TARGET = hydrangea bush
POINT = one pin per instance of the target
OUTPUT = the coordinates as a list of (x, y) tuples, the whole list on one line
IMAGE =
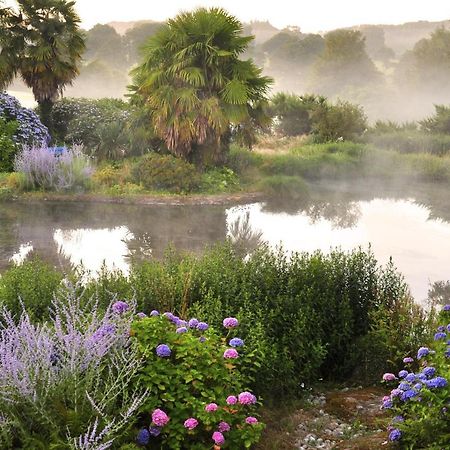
[(30, 130), (420, 395), (68, 383), (197, 394)]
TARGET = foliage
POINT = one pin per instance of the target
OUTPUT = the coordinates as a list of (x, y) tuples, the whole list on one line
[(46, 169), (240, 160), (219, 180), (440, 122), (42, 43), (284, 187), (31, 286), (165, 172), (342, 121), (68, 383), (196, 86), (8, 147), (30, 129), (192, 379), (420, 401), (97, 124)]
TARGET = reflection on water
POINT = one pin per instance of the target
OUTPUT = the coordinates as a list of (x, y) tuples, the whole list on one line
[(93, 234)]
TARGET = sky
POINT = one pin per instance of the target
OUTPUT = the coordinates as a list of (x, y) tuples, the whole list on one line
[(309, 15)]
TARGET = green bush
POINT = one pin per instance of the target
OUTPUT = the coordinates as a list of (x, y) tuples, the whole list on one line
[(440, 122), (8, 147), (33, 285), (341, 121), (184, 370), (241, 160), (420, 400), (219, 180), (165, 172), (283, 187)]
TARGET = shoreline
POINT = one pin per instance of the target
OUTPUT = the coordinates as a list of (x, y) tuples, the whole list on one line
[(146, 200)]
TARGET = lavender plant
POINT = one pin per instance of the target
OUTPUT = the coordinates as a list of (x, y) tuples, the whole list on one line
[(44, 169), (68, 383), (30, 130)]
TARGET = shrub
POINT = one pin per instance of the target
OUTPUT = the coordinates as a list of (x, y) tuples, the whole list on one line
[(342, 121), (440, 122), (219, 180), (99, 125), (31, 285), (283, 187), (165, 172), (193, 376), (68, 383), (30, 130), (420, 402), (8, 147), (45, 169), (240, 160)]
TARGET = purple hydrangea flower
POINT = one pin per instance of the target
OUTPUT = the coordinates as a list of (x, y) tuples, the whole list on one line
[(387, 404), (120, 307), (181, 330), (446, 308), (190, 423), (169, 315), (232, 400), (224, 427), (236, 342), (251, 420), (159, 417), (202, 339), (246, 398), (396, 393), (218, 438), (202, 326), (230, 353), (389, 377), (141, 315), (230, 322), (408, 360), (154, 431), (154, 313), (181, 323), (163, 351), (211, 407), (398, 419), (193, 323)]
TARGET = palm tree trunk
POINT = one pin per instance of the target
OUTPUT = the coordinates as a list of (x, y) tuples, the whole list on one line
[(46, 108)]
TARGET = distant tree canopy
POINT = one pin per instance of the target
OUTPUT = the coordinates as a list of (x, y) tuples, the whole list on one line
[(136, 37), (43, 44), (195, 86), (344, 63), (439, 122)]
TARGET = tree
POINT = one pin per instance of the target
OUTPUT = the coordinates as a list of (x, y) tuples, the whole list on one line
[(136, 37), (344, 63), (43, 44), (195, 85)]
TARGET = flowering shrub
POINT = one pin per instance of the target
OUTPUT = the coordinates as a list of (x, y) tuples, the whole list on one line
[(45, 169), (67, 383), (420, 399), (30, 130), (197, 396)]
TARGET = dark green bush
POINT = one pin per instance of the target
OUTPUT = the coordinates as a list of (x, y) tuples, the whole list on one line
[(165, 172), (32, 284), (240, 160), (8, 147)]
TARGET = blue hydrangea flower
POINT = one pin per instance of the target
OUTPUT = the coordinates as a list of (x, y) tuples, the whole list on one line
[(181, 330), (441, 328), (429, 371), (440, 336), (404, 386), (407, 395), (418, 386), (154, 431), (446, 308), (436, 383), (398, 419), (154, 313), (143, 437), (181, 323), (193, 323), (402, 373), (395, 435), (410, 378), (236, 342), (423, 351), (387, 404), (163, 351)]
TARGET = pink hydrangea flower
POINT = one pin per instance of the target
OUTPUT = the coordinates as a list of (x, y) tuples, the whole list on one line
[(218, 438), (230, 353), (251, 420), (246, 398), (232, 400), (159, 417), (389, 377), (211, 407), (190, 423), (223, 427), (230, 322)]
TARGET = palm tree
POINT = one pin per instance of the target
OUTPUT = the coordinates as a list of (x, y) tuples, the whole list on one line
[(195, 86), (43, 44)]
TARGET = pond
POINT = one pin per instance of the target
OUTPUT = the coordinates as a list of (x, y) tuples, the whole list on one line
[(413, 230)]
